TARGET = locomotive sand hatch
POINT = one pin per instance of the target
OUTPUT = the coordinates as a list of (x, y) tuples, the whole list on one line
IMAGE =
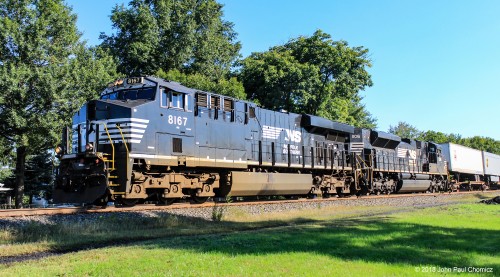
[(156, 140)]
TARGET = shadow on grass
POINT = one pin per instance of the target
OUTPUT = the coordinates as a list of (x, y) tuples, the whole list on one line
[(482, 196), (369, 239), (355, 239)]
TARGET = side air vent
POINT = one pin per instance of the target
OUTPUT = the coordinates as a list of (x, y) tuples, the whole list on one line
[(177, 145), (228, 105), (214, 102), (201, 99)]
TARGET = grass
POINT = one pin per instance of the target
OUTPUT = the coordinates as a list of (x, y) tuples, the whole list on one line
[(108, 229), (318, 242)]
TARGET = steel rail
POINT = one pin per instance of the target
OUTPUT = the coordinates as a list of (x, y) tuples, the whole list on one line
[(152, 207)]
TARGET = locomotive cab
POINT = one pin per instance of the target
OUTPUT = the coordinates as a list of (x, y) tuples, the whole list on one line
[(437, 163)]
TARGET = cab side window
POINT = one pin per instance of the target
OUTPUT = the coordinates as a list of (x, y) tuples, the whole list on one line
[(176, 100), (164, 98), (172, 99)]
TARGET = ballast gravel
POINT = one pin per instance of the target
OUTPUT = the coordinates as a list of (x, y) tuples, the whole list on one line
[(270, 207)]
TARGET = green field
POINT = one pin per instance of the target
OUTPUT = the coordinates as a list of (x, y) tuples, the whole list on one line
[(327, 243)]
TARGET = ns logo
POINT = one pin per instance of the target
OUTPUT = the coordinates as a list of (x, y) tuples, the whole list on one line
[(295, 136), (271, 132)]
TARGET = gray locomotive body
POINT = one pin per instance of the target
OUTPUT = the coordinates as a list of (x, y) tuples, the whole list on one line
[(150, 139)]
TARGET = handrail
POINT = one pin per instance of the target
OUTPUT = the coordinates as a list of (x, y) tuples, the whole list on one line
[(358, 159), (123, 138), (364, 167), (112, 146)]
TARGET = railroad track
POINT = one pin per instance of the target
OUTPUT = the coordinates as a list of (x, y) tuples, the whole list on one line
[(152, 207)]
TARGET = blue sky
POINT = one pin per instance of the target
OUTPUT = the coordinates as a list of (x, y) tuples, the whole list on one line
[(436, 64)]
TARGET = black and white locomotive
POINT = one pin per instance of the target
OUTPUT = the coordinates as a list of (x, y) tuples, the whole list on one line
[(156, 140)]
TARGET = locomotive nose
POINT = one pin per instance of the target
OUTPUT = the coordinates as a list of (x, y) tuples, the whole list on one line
[(94, 118)]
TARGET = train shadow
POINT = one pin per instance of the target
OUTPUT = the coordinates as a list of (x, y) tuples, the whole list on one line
[(367, 240), (373, 239), (482, 196)]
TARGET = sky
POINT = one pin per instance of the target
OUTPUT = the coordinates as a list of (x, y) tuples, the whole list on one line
[(435, 64)]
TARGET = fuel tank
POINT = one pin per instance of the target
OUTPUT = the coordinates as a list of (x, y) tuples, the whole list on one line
[(259, 183), (413, 183)]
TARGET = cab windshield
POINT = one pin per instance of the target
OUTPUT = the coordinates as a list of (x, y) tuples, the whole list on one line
[(131, 94)]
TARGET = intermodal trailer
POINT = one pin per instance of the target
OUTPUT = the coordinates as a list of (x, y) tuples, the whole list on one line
[(491, 165), (465, 165)]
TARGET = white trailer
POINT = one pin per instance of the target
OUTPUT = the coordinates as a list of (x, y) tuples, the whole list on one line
[(491, 165), (465, 165), (463, 159)]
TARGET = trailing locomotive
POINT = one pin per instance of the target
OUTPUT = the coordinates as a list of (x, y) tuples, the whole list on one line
[(151, 139)]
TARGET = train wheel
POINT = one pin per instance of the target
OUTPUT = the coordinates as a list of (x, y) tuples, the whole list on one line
[(312, 196), (199, 200), (102, 202), (166, 201), (128, 202), (340, 194)]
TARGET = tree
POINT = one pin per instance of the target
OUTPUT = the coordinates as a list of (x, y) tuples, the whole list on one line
[(350, 111), (6, 160), (405, 130), (439, 137), (39, 174), (46, 74), (483, 143), (313, 75), (276, 80), (186, 35)]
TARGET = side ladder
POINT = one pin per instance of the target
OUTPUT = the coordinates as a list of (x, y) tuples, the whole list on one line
[(110, 164)]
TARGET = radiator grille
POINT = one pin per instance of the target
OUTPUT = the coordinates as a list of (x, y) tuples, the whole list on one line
[(201, 99), (215, 102), (228, 105)]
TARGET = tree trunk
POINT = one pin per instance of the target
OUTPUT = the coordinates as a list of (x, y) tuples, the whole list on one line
[(20, 169)]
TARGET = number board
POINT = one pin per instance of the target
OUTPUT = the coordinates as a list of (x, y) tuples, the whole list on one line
[(135, 80)]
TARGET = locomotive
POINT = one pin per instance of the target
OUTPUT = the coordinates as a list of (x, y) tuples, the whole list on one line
[(151, 139)]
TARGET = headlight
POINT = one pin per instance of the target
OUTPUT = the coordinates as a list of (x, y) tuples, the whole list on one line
[(89, 147)]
